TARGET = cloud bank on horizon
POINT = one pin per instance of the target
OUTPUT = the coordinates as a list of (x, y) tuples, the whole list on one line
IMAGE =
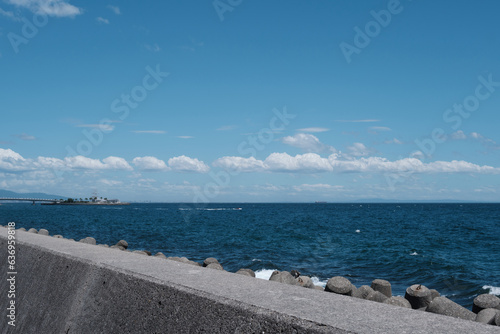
[(174, 102)]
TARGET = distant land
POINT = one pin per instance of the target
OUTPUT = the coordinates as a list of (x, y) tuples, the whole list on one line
[(8, 193)]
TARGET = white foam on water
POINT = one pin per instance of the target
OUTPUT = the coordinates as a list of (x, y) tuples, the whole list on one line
[(316, 281), (494, 290), (358, 231), (264, 273), (414, 254)]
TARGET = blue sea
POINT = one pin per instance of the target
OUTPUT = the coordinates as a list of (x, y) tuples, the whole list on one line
[(454, 248)]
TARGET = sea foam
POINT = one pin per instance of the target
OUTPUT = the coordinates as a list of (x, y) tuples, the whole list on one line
[(266, 274), (493, 289)]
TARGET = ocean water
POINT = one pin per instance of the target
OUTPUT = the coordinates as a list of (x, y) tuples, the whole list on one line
[(454, 248)]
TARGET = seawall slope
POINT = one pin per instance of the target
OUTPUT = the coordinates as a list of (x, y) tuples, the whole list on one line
[(68, 287)]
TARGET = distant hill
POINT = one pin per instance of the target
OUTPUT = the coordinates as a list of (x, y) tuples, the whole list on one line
[(7, 193)]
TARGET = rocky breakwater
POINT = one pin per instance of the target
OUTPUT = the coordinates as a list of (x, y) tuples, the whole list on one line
[(485, 309)]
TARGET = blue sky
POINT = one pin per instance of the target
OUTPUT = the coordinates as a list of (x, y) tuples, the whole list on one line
[(251, 100)]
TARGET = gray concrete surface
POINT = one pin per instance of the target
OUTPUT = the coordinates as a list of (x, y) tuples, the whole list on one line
[(71, 287)]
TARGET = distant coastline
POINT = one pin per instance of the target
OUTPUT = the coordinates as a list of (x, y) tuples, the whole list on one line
[(91, 204)]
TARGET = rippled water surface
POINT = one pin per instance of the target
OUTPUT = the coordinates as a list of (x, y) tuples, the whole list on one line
[(454, 248)]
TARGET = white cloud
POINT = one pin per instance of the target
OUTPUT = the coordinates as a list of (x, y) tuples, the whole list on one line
[(102, 20), (12, 161), (458, 135), (111, 183), (393, 141), (103, 127), (376, 129), (155, 132), (185, 137), (153, 48), (227, 128), (313, 129), (24, 136), (240, 164), (309, 162), (115, 9), (358, 121), (150, 163), (358, 150), (187, 164), (317, 187), (307, 142), (58, 8), (7, 14), (109, 163)]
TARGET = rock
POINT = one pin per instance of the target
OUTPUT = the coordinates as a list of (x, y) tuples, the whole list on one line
[(147, 252), (246, 272), (320, 288), (305, 282), (118, 247), (487, 316), (434, 293), (339, 285), (497, 319), (283, 277), (103, 245), (89, 240), (419, 296), (216, 266), (22, 229), (161, 255), (382, 286), (362, 292), (295, 273), (397, 301), (377, 296), (484, 301), (209, 260), (122, 243), (444, 306), (43, 232), (32, 230), (58, 236), (140, 252)]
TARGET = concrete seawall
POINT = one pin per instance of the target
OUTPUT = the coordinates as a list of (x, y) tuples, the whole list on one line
[(68, 287)]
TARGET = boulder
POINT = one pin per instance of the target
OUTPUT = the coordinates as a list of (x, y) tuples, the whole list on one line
[(147, 252), (32, 230), (140, 252), (382, 286), (160, 255), (209, 260), (89, 240), (487, 316), (22, 229), (320, 288), (434, 293), (295, 273), (419, 296), (377, 296), (497, 319), (305, 282), (118, 247), (246, 272), (122, 243), (397, 301), (444, 306), (283, 277), (339, 285), (216, 266), (362, 292), (43, 232), (484, 301)]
